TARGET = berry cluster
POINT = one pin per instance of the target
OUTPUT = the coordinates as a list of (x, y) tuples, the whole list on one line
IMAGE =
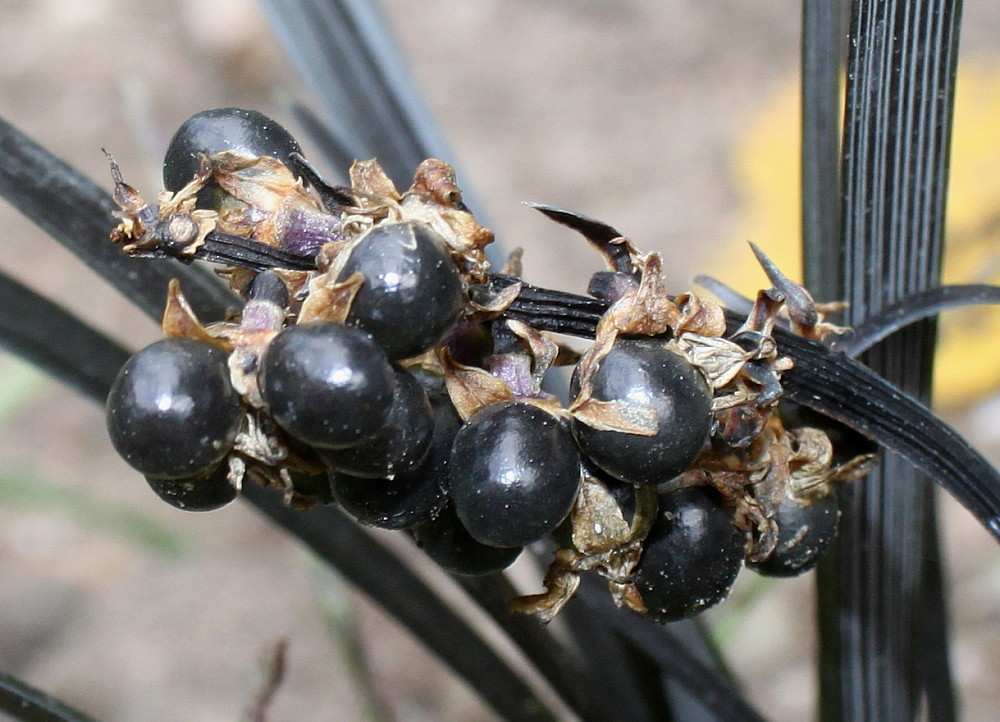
[(380, 365)]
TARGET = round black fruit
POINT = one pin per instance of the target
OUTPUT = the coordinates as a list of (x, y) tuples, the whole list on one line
[(172, 411), (804, 533), (515, 473), (327, 384), (412, 293), (413, 496), (690, 558), (399, 445), (445, 540), (205, 492), (643, 372), (221, 129)]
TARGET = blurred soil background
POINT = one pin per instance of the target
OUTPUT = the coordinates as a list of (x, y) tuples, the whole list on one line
[(674, 122)]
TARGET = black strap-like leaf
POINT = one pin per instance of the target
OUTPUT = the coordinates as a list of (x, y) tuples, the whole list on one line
[(77, 213), (671, 653), (913, 308), (343, 544), (24, 702), (344, 53), (873, 586), (853, 394), (37, 329)]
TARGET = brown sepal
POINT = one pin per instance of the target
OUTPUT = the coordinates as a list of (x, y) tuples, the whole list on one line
[(619, 416), (328, 300), (368, 178), (180, 321), (436, 179), (649, 311), (514, 266), (496, 304), (542, 348), (765, 310), (719, 359), (598, 524), (561, 582), (471, 388), (702, 316)]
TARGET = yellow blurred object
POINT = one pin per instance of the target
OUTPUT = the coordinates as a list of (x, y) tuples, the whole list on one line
[(766, 166)]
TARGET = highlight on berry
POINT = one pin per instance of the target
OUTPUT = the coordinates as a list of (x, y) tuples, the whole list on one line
[(379, 363)]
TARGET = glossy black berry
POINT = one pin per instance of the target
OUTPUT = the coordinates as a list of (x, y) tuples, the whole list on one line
[(399, 445), (412, 292), (206, 492), (690, 558), (221, 129), (327, 384), (804, 533), (445, 540), (515, 472), (172, 411), (411, 497), (645, 373)]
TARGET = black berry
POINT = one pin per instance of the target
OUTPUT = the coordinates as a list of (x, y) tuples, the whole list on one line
[(327, 384), (515, 472), (445, 540), (412, 292), (645, 373), (690, 558), (221, 129), (804, 533), (172, 411), (399, 445), (411, 497), (206, 492)]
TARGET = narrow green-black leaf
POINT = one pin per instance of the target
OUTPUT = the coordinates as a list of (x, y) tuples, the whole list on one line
[(78, 213), (822, 40), (23, 702), (371, 106), (345, 53), (900, 87), (936, 679), (686, 705), (718, 695), (608, 659), (341, 543), (338, 153), (56, 341), (853, 394), (914, 307), (586, 693)]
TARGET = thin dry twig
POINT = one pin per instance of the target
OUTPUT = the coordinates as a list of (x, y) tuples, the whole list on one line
[(273, 675)]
